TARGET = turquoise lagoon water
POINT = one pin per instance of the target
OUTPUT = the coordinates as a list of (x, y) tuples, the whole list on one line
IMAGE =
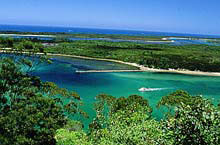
[(89, 85)]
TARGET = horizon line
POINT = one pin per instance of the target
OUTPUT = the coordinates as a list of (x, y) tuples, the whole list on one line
[(125, 29)]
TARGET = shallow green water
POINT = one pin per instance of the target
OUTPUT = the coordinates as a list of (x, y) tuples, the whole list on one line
[(88, 85)]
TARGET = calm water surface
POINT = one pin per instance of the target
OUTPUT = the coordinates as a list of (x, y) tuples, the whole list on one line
[(89, 85)]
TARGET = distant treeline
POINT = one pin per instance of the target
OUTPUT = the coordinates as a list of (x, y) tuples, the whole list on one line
[(31, 33), (163, 56), (79, 35), (111, 36), (191, 57)]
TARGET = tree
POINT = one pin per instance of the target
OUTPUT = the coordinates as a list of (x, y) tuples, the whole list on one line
[(175, 99), (195, 120), (30, 56), (72, 134), (128, 122), (124, 121), (107, 105), (7, 42), (32, 122), (194, 124), (137, 128), (31, 110)]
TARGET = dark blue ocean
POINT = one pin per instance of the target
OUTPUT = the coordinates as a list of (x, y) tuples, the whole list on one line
[(23, 28)]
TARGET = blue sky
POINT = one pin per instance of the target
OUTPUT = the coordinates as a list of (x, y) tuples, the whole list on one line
[(185, 16)]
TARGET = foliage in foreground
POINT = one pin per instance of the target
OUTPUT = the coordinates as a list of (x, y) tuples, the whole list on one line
[(196, 120), (129, 123), (195, 124), (31, 110)]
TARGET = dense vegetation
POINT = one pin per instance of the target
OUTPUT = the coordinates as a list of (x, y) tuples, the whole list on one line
[(191, 57), (33, 112), (128, 121), (164, 56), (69, 35)]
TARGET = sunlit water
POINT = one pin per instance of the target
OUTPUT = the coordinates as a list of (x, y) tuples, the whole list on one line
[(89, 85)]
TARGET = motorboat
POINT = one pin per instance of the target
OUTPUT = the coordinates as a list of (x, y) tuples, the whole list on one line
[(143, 89)]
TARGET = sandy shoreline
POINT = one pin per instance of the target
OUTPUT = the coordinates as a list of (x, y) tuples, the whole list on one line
[(143, 68), (140, 67)]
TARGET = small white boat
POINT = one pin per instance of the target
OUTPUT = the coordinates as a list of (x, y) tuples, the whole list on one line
[(143, 89)]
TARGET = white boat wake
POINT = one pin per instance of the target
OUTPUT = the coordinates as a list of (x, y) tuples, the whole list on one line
[(143, 89)]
